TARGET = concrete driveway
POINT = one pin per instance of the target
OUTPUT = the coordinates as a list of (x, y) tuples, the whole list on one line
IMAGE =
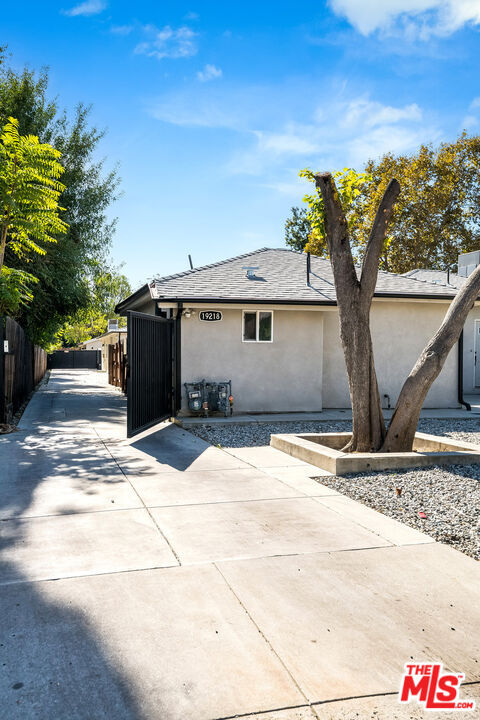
[(163, 578)]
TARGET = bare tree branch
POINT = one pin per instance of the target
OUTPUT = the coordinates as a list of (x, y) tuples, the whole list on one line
[(354, 311), (336, 229), (402, 428), (376, 239)]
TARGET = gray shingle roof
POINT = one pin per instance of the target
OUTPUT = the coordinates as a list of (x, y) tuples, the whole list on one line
[(436, 276), (281, 277)]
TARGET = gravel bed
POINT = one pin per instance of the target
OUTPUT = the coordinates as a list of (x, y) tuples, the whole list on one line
[(448, 496), (256, 434)]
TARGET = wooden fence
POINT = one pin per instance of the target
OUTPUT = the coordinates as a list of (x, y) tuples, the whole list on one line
[(117, 366), (22, 366)]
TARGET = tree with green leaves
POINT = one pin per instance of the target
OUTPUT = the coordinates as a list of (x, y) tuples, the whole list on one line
[(29, 210), (355, 290), (436, 217), (438, 214), (66, 275), (305, 229), (298, 229), (109, 287)]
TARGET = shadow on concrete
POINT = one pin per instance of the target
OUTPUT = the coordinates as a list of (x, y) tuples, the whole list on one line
[(171, 446), (53, 664)]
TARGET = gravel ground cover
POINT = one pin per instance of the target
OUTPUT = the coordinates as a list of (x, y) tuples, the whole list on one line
[(449, 497)]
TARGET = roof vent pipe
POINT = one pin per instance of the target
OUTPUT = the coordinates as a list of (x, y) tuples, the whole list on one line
[(308, 268), (250, 271), (190, 261)]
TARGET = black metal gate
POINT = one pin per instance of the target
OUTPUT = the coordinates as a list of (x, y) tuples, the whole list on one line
[(150, 346), (75, 360)]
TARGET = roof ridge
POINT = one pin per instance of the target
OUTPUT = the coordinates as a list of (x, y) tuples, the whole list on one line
[(408, 276), (191, 271), (430, 282)]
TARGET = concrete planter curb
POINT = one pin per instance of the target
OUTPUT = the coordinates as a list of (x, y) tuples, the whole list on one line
[(324, 451)]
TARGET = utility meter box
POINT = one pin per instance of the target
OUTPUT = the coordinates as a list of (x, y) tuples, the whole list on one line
[(204, 397)]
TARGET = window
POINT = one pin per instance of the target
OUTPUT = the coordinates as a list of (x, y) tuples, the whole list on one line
[(258, 326)]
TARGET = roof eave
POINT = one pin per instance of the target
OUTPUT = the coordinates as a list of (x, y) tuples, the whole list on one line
[(123, 304), (289, 301)]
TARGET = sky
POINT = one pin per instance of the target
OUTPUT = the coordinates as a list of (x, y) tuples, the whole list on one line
[(212, 108)]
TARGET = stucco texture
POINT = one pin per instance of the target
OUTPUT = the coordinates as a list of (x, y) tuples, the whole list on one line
[(266, 377), (469, 352), (400, 331)]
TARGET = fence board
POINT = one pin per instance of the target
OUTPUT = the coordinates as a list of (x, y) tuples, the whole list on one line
[(21, 368), (117, 366), (75, 360)]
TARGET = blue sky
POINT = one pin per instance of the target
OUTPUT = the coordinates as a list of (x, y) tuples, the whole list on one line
[(212, 108)]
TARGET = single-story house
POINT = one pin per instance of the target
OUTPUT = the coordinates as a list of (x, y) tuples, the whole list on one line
[(114, 334), (268, 321)]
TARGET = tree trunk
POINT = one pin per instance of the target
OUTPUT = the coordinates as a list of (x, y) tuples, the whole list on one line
[(354, 298), (3, 243), (402, 428), (368, 432)]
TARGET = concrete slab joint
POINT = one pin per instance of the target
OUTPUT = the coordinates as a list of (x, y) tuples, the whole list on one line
[(325, 451)]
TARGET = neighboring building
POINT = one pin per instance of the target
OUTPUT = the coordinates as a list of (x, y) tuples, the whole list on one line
[(470, 340), (114, 334), (259, 321)]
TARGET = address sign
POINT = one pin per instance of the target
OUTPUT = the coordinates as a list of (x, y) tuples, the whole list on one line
[(210, 315)]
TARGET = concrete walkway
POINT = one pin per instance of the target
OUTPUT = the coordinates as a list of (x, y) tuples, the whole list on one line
[(161, 578), (329, 415)]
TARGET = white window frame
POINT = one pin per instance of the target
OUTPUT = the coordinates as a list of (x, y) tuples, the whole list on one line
[(257, 328)]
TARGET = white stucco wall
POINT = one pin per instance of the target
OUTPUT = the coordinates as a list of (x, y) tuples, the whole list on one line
[(102, 344), (304, 370), (400, 331), (469, 352), (282, 376)]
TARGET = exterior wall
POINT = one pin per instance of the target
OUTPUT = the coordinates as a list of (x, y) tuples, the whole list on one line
[(400, 331), (469, 352), (282, 376), (102, 344), (147, 307), (95, 344)]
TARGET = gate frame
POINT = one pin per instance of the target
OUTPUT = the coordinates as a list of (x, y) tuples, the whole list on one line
[(174, 397)]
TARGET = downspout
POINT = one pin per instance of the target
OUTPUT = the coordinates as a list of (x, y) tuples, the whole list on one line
[(460, 373), (308, 269), (177, 365)]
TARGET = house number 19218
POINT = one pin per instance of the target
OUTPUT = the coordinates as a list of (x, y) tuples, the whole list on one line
[(210, 315)]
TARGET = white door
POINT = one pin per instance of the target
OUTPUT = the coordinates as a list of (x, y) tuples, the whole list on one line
[(477, 353)]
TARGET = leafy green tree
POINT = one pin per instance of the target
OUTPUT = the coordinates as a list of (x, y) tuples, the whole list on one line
[(298, 229), (29, 211), (67, 273), (109, 287), (15, 289), (436, 217), (305, 229), (29, 193)]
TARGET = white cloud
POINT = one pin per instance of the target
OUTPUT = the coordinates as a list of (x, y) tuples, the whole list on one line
[(471, 120), (413, 18), (334, 131), (168, 42), (294, 141), (209, 72), (356, 131), (121, 29), (89, 7), (372, 114)]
